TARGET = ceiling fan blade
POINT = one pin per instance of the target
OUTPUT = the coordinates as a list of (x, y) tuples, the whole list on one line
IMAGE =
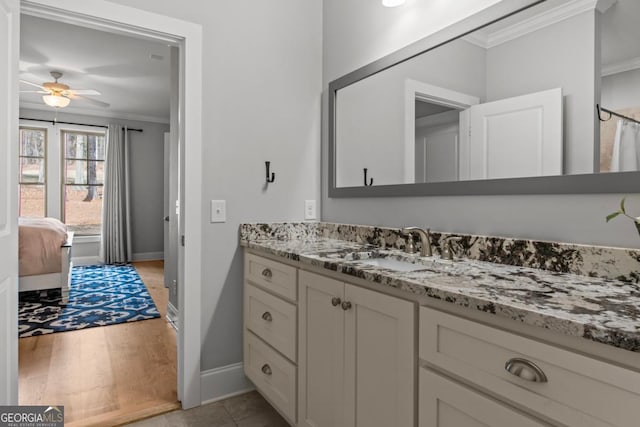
[(34, 91), (90, 100), (83, 92), (34, 84)]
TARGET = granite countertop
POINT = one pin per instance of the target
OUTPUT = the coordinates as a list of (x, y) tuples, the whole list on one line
[(599, 309)]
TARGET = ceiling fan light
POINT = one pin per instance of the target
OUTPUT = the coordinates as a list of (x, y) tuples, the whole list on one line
[(392, 3), (56, 101)]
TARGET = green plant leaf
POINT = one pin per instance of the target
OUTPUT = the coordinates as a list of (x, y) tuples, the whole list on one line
[(613, 215), (622, 205)]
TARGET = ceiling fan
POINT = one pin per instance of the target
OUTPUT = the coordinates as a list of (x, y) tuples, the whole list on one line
[(59, 95)]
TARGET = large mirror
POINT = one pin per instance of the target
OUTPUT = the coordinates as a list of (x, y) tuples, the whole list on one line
[(545, 99)]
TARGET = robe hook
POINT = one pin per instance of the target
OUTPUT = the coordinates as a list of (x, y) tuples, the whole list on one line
[(273, 175), (365, 179)]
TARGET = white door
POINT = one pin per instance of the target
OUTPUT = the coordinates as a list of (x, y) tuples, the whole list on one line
[(172, 179), (9, 48), (444, 403), (437, 153), (167, 207), (320, 355), (171, 233), (379, 359), (515, 137)]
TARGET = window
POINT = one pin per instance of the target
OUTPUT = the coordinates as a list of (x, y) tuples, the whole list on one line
[(32, 179), (83, 178)]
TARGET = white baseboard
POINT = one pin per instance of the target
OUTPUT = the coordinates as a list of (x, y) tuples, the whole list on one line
[(172, 316), (148, 256), (85, 260), (221, 383)]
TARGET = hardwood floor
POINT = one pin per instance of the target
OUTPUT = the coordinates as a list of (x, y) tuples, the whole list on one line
[(108, 375)]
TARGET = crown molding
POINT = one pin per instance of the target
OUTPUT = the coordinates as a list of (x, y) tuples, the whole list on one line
[(621, 66), (477, 38), (537, 22), (106, 114)]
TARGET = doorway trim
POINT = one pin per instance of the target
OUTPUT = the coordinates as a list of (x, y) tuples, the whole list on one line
[(129, 21), (417, 90)]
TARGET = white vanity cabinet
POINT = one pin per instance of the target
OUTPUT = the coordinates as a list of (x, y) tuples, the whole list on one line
[(547, 382), (356, 356), (326, 353), (270, 331)]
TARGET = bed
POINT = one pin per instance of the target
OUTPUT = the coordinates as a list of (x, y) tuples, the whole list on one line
[(45, 255)]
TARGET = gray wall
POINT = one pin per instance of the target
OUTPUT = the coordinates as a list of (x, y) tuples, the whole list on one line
[(262, 68), (147, 186), (559, 55), (357, 33)]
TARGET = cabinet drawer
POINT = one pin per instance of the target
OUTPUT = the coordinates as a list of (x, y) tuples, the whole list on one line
[(272, 374), (445, 403), (272, 275), (580, 391), (272, 319)]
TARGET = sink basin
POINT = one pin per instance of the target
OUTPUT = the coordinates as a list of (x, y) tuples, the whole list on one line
[(398, 262), (393, 264)]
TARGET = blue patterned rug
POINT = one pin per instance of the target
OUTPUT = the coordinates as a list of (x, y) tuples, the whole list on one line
[(100, 295)]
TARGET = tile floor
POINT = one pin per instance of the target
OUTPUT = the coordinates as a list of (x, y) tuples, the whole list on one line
[(247, 410)]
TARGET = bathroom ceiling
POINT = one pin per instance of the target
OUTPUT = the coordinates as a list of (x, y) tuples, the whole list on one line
[(131, 74)]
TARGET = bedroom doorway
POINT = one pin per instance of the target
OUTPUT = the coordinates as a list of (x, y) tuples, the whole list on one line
[(110, 322), (138, 23)]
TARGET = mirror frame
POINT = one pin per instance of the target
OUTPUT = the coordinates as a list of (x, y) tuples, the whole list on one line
[(618, 182)]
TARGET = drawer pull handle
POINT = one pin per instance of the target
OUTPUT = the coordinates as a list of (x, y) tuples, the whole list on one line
[(267, 273), (526, 370), (346, 305), (267, 316), (335, 301), (266, 369)]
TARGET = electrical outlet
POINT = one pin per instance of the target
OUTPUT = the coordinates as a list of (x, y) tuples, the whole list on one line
[(218, 211), (309, 209)]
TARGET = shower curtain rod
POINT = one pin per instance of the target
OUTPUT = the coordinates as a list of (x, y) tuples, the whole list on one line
[(613, 113), (54, 122)]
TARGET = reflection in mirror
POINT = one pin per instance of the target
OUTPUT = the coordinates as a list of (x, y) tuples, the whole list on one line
[(620, 134), (514, 99), (436, 142)]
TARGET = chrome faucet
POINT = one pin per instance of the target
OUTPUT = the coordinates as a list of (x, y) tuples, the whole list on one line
[(425, 239), (447, 250)]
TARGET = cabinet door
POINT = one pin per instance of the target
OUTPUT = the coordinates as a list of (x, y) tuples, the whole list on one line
[(444, 403), (380, 359), (320, 353)]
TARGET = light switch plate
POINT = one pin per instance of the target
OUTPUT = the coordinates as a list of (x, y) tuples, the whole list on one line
[(218, 211), (309, 209)]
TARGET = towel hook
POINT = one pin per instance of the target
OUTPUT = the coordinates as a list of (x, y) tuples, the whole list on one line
[(273, 175), (365, 179), (600, 114)]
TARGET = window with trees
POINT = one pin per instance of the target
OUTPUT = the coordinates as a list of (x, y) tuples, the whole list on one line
[(32, 179), (83, 178)]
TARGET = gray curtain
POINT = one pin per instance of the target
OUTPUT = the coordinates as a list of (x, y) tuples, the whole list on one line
[(116, 209)]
